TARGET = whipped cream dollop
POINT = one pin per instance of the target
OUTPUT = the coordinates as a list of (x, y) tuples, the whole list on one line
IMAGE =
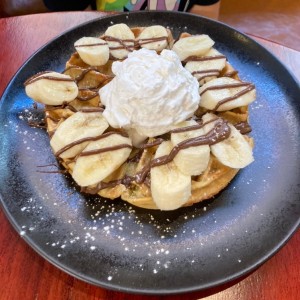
[(150, 93)]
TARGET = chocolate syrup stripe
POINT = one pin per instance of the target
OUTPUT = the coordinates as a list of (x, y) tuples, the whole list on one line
[(73, 109), (122, 43), (41, 76), (230, 73), (193, 127), (243, 127), (35, 76), (203, 58), (152, 40), (88, 139), (206, 73), (249, 87), (136, 43), (91, 45), (103, 150), (215, 71), (152, 144), (77, 79), (237, 95), (85, 72), (226, 86), (218, 133), (87, 98)]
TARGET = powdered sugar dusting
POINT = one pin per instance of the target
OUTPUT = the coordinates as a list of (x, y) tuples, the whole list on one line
[(73, 222)]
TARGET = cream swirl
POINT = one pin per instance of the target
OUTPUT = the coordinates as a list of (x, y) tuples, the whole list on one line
[(150, 93)]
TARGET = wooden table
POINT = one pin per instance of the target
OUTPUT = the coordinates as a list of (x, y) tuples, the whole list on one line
[(26, 275)]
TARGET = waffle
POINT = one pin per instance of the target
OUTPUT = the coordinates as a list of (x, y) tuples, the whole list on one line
[(89, 80)]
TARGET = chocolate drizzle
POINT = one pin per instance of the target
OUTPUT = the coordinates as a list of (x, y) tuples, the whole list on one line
[(248, 87), (243, 127), (206, 73), (91, 45), (218, 133), (88, 139), (106, 149), (203, 58), (42, 75), (156, 142), (151, 40), (122, 43)]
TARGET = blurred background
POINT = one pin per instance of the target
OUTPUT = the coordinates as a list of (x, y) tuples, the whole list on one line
[(275, 20)]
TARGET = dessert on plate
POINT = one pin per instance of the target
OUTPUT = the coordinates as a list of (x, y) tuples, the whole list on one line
[(137, 115)]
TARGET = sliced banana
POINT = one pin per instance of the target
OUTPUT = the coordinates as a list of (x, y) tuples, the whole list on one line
[(80, 125), (226, 93), (154, 38), (193, 160), (170, 188), (120, 40), (207, 67), (93, 168), (93, 51), (51, 88), (234, 152), (193, 46)]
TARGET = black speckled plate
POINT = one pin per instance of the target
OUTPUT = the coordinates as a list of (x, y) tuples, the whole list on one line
[(117, 246)]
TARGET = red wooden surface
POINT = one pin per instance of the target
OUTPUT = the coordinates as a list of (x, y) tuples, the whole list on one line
[(26, 275)]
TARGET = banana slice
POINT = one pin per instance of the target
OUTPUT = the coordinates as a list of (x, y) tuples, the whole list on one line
[(100, 158), (193, 46), (170, 188), (93, 51), (234, 152), (193, 160), (226, 93), (120, 40), (154, 38), (208, 67), (80, 125), (51, 88)]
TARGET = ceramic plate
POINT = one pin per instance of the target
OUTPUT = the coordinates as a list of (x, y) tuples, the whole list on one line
[(118, 246)]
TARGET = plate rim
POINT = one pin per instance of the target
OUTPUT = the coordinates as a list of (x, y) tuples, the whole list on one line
[(115, 287)]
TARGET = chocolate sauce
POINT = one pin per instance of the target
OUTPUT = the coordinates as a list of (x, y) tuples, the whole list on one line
[(152, 144), (63, 106), (40, 76), (122, 43), (215, 71), (230, 73), (224, 86), (206, 73), (243, 127), (249, 87), (91, 109), (106, 149), (35, 76), (85, 72), (91, 45), (152, 40), (218, 133), (203, 58), (87, 98), (192, 127), (88, 139)]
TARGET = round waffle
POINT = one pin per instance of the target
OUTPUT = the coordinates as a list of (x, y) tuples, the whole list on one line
[(89, 80)]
